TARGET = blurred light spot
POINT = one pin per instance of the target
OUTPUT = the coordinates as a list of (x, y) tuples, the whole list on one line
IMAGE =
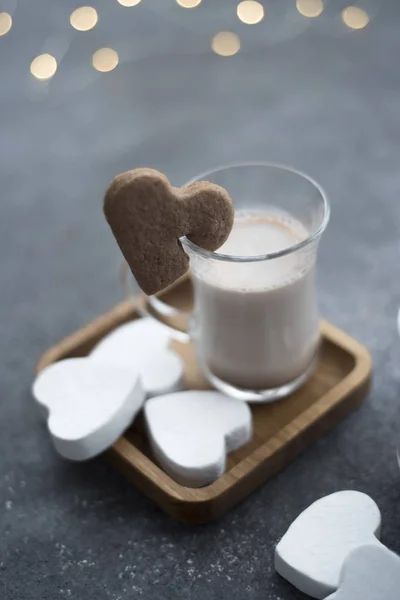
[(84, 18), (225, 43), (250, 12), (105, 59), (5, 23), (129, 2), (310, 8), (43, 66), (354, 17), (188, 3)]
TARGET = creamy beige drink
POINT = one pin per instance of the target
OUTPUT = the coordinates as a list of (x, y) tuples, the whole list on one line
[(257, 322)]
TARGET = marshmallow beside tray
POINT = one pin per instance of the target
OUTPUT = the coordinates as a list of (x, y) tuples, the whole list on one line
[(332, 551)]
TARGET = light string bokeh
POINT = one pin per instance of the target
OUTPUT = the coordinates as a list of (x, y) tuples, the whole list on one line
[(225, 43)]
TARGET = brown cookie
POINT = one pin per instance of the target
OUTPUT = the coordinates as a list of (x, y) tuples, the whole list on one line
[(148, 216)]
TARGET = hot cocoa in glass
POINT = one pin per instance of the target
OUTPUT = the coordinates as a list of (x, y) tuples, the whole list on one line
[(255, 324)]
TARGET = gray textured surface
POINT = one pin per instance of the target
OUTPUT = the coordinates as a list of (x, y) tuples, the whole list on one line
[(326, 101)]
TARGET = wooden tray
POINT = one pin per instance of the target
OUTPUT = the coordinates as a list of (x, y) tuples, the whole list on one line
[(281, 430)]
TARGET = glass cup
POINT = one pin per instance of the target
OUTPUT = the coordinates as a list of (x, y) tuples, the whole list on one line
[(255, 323)]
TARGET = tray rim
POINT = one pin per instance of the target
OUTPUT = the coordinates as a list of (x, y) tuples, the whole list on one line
[(134, 459)]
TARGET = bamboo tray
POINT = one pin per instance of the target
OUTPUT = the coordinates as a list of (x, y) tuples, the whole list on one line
[(280, 431)]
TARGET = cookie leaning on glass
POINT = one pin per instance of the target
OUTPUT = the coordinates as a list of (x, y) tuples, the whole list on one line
[(148, 216)]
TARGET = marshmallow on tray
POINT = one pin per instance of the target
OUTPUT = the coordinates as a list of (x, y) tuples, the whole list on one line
[(146, 334), (191, 432), (88, 405), (91, 401), (142, 344)]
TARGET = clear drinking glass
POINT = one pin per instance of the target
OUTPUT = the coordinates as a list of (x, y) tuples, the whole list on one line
[(255, 324)]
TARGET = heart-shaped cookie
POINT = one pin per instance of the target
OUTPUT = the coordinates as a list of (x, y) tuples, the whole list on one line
[(88, 404), (148, 217), (142, 344), (191, 433), (370, 573), (312, 552)]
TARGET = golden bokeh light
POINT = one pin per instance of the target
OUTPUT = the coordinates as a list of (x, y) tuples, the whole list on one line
[(225, 43), (310, 8), (84, 18), (5, 23), (355, 17), (105, 59), (250, 12), (43, 67), (129, 2), (188, 3)]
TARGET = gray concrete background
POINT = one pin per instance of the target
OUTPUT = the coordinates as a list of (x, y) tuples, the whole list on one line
[(310, 94)]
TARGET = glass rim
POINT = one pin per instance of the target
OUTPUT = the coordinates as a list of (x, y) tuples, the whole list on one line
[(271, 255)]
